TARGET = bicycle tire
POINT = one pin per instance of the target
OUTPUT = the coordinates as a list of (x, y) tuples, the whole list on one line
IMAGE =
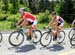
[(48, 36), (36, 38), (69, 35), (60, 41), (13, 36), (72, 39), (1, 37)]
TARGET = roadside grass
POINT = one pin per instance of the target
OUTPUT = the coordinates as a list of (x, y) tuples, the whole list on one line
[(67, 25), (6, 25), (41, 25)]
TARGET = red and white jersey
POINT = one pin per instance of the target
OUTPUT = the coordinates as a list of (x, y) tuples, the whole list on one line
[(58, 19), (28, 16)]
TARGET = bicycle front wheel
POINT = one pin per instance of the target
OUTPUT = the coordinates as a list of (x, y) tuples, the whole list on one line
[(16, 38), (71, 32), (1, 37), (46, 39), (61, 37), (72, 40), (36, 36)]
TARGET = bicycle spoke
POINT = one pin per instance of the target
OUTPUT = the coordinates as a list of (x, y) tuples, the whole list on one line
[(61, 36), (72, 40), (16, 38), (36, 36), (45, 39)]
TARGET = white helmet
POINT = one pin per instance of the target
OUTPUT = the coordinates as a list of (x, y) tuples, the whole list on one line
[(22, 9)]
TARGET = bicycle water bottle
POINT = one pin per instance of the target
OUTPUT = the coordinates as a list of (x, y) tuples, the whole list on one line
[(25, 30)]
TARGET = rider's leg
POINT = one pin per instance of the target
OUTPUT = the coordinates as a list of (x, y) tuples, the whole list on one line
[(33, 26), (25, 24), (31, 30), (54, 26), (54, 33), (57, 32), (60, 27)]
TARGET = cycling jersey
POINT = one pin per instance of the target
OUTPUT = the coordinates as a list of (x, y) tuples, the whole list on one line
[(58, 19), (28, 16)]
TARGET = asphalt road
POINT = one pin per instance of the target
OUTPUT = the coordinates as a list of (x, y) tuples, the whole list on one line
[(28, 48)]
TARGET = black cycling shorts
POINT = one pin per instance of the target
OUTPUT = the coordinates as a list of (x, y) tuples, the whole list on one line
[(59, 24), (30, 23)]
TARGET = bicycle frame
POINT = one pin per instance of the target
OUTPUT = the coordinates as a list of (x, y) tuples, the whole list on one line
[(50, 31), (73, 28), (23, 30)]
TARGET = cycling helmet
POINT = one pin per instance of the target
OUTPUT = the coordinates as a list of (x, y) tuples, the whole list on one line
[(53, 13), (22, 9)]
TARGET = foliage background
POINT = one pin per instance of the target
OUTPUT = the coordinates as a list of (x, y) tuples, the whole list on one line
[(9, 14)]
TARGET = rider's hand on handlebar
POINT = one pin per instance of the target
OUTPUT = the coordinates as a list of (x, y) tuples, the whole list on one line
[(45, 27), (17, 26)]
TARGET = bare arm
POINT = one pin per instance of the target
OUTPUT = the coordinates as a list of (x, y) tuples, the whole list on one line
[(50, 23), (20, 19), (73, 22)]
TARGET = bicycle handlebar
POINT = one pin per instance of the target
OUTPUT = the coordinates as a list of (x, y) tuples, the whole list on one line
[(47, 28)]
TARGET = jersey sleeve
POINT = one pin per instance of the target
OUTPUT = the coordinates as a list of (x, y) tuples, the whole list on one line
[(22, 16), (52, 18)]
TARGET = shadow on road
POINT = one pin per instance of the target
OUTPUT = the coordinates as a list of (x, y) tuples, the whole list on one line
[(26, 48), (53, 48), (56, 48)]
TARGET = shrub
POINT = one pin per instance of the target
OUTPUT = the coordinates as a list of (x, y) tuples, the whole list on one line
[(13, 18), (5, 25), (43, 17), (57, 8), (3, 17)]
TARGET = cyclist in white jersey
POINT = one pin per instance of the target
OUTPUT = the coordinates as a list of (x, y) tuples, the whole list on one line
[(56, 23)]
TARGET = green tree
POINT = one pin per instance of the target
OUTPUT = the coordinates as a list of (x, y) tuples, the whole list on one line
[(66, 10), (15, 6), (32, 5), (44, 4), (24, 2), (5, 5)]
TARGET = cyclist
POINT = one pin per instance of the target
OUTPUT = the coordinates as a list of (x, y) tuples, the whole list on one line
[(73, 23), (56, 23), (27, 19)]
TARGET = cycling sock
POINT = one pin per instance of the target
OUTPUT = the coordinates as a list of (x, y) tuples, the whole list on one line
[(55, 37), (29, 37)]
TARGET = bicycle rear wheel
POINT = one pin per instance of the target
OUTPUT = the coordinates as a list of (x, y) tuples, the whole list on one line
[(16, 38), (1, 37), (36, 36), (71, 32), (61, 37), (72, 40), (45, 39)]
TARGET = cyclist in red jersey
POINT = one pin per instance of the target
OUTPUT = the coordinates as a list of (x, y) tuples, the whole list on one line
[(28, 19)]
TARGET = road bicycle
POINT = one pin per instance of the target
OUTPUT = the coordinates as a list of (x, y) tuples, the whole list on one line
[(1, 37), (16, 38), (48, 36), (71, 32), (72, 40)]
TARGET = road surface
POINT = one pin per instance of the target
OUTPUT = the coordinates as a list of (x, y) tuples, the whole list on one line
[(28, 48)]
